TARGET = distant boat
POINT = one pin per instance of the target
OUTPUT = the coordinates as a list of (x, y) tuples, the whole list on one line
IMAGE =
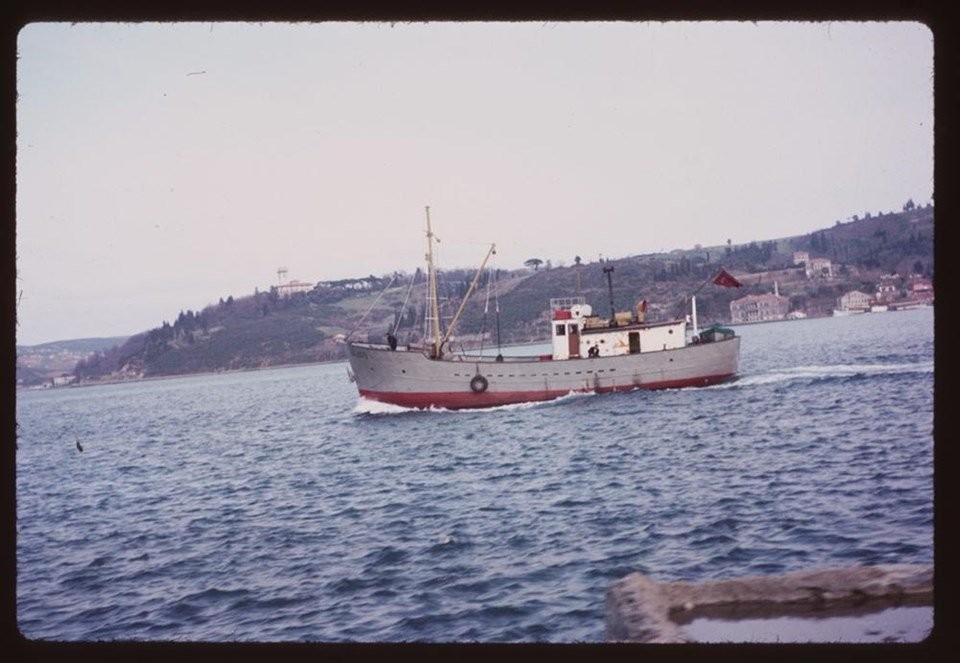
[(589, 354), (879, 308), (911, 305), (838, 312)]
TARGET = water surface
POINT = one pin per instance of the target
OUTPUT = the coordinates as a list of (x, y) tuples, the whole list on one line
[(272, 506)]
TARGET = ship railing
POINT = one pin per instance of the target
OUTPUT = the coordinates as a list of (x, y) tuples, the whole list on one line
[(566, 303), (492, 359), (380, 346)]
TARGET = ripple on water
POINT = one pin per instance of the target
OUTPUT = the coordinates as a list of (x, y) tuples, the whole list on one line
[(505, 525)]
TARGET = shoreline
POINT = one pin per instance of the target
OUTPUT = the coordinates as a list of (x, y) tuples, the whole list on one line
[(180, 375), (344, 359)]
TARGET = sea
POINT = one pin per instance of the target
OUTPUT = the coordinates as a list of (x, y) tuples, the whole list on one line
[(275, 506)]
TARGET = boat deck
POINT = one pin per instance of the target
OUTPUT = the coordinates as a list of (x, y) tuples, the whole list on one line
[(452, 356)]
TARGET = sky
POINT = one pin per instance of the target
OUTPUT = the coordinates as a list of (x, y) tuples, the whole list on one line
[(161, 166)]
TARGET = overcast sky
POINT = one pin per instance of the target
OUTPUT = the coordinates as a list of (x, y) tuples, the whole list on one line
[(162, 166)]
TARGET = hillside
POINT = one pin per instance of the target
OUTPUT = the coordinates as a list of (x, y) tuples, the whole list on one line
[(265, 329), (37, 364)]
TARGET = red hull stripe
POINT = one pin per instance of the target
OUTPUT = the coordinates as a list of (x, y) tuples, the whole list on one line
[(455, 400)]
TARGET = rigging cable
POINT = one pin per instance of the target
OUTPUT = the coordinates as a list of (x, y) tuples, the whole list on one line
[(443, 286), (403, 308), (486, 309), (496, 300), (371, 307)]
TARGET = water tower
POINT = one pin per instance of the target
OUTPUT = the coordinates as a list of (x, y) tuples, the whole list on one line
[(281, 273)]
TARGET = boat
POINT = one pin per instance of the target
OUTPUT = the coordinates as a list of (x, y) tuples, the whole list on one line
[(843, 312), (589, 353)]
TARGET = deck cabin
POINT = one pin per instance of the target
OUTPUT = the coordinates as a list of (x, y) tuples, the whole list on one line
[(578, 333)]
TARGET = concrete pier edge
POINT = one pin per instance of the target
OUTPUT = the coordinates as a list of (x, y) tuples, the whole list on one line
[(638, 609)]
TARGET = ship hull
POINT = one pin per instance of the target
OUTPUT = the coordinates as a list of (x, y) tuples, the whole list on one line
[(409, 378)]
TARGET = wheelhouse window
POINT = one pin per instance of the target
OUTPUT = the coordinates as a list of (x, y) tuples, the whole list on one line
[(561, 330)]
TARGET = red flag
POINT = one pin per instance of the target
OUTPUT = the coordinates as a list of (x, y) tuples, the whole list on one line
[(727, 281)]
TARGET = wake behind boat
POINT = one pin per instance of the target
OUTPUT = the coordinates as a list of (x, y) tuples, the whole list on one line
[(589, 354)]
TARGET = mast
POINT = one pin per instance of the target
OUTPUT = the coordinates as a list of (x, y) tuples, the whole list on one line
[(432, 291), (466, 297), (693, 312)]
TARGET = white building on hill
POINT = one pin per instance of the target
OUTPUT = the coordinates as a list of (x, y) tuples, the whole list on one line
[(760, 308)]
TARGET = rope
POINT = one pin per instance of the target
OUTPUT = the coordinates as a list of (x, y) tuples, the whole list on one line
[(483, 322), (371, 306), (496, 299), (687, 298), (403, 309)]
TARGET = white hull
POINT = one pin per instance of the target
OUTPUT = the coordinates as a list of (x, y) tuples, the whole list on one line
[(839, 312)]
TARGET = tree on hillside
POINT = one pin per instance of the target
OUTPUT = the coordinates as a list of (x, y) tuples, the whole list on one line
[(907, 206), (533, 263)]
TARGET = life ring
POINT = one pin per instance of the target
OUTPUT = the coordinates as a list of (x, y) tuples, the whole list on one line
[(478, 384)]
